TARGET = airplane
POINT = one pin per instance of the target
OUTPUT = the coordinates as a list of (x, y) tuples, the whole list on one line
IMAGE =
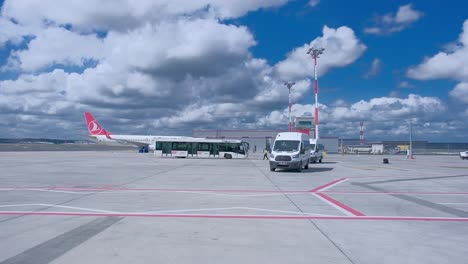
[(100, 135)]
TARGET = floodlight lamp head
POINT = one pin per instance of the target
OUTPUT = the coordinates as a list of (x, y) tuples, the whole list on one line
[(289, 84), (315, 52)]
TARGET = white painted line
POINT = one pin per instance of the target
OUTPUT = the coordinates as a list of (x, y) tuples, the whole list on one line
[(60, 206), (241, 195), (329, 186), (462, 204), (46, 190), (333, 205), (230, 208), (58, 191), (162, 211)]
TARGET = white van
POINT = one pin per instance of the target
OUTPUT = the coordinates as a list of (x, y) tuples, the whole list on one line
[(291, 150), (316, 151)]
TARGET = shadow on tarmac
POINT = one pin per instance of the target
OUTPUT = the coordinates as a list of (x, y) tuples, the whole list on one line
[(311, 169)]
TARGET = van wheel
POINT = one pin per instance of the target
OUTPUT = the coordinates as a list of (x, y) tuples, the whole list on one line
[(272, 169), (300, 168), (227, 156)]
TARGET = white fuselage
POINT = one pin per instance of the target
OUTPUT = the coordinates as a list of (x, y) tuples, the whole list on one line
[(136, 140)]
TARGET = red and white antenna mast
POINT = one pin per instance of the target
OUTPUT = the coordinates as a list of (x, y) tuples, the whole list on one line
[(289, 85), (361, 133), (315, 53)]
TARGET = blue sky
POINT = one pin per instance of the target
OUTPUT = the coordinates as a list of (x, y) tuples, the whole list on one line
[(167, 67), (294, 24)]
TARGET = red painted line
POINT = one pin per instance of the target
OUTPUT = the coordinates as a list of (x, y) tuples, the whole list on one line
[(340, 204), (394, 176), (218, 216), (326, 185), (152, 189), (413, 193)]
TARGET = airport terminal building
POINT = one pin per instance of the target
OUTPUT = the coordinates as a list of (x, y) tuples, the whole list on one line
[(260, 140)]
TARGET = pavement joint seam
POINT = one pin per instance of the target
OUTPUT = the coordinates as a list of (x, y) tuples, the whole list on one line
[(310, 220)]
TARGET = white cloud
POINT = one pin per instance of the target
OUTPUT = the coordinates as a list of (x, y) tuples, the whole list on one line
[(374, 69), (184, 46), (123, 14), (405, 84), (164, 67), (391, 23), (342, 48), (11, 32), (52, 82), (406, 14), (445, 65), (280, 117), (35, 94), (57, 46), (460, 92), (450, 64), (313, 3), (384, 116)]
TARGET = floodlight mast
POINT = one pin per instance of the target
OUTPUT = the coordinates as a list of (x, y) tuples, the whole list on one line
[(289, 85), (410, 156), (315, 53)]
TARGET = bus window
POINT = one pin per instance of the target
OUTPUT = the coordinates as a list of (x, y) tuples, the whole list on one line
[(158, 146), (231, 147), (192, 148), (242, 149), (214, 149), (204, 147), (223, 147), (166, 147), (179, 145)]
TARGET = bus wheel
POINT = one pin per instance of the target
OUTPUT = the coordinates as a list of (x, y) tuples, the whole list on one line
[(227, 156)]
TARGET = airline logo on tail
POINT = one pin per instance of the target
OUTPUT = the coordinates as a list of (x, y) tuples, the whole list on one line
[(94, 128)]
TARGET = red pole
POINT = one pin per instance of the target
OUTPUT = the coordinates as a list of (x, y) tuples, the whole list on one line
[(316, 100), (289, 105)]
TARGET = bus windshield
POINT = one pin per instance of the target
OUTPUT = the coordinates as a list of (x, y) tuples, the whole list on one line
[(286, 145)]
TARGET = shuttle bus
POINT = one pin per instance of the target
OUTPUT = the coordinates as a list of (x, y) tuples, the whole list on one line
[(201, 148)]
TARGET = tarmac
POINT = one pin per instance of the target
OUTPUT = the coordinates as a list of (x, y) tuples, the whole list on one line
[(126, 207)]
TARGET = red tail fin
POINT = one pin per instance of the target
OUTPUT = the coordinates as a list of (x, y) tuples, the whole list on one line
[(94, 128)]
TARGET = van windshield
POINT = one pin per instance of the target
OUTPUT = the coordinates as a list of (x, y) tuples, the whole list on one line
[(286, 145)]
